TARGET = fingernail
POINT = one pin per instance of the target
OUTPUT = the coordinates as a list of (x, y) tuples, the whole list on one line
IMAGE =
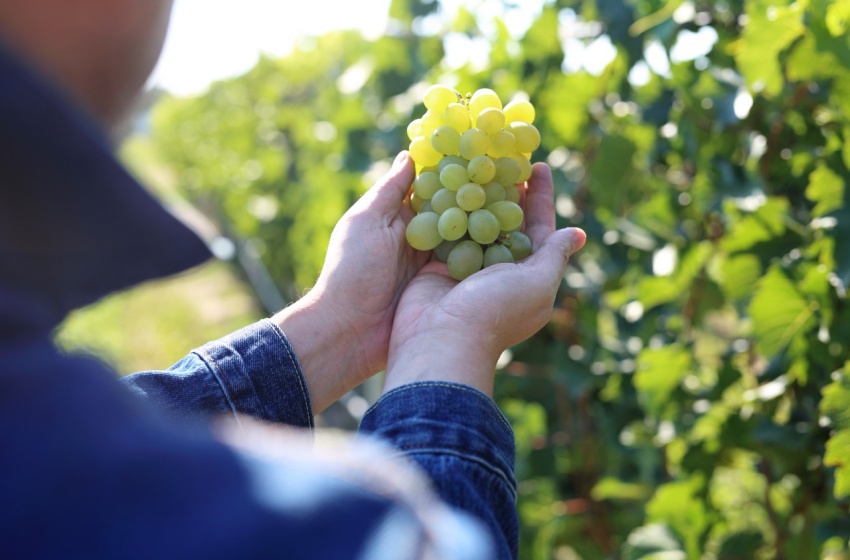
[(399, 158), (577, 239)]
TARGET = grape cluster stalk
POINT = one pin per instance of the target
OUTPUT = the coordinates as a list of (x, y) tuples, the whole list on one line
[(472, 156)]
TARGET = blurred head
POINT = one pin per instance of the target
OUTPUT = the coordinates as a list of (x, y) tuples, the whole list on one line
[(100, 52)]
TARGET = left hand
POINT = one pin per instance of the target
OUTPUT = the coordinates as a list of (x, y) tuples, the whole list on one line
[(341, 329)]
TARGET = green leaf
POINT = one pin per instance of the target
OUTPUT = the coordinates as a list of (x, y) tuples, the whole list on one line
[(779, 312), (826, 190), (835, 403), (845, 146), (739, 275), (764, 224), (610, 169), (610, 488), (838, 455), (806, 62), (542, 41), (771, 27), (837, 18), (659, 372), (678, 505)]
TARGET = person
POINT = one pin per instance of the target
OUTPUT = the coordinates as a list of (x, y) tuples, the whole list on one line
[(215, 457)]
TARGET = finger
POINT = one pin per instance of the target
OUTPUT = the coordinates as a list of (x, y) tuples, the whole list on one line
[(539, 204), (390, 191), (549, 261)]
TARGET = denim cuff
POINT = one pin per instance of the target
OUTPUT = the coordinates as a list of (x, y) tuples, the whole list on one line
[(437, 417), (259, 374)]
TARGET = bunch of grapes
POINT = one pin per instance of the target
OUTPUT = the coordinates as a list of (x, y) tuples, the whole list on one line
[(472, 155)]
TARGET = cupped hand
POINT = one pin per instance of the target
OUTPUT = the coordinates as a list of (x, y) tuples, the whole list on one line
[(455, 331), (340, 330)]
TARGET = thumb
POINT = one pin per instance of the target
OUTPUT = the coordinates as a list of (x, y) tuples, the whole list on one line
[(390, 191), (551, 258)]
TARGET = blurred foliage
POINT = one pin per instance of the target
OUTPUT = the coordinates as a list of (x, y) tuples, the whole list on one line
[(689, 398), (168, 318)]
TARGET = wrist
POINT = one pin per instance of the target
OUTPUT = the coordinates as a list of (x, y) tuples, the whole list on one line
[(464, 359), (319, 335)]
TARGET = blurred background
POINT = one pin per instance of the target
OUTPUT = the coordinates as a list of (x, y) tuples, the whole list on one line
[(690, 398)]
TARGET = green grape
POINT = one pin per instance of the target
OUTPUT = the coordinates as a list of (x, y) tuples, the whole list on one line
[(490, 120), (422, 231), (483, 226), (519, 244), (502, 144), (493, 192), (416, 203), (423, 152), (451, 159), (465, 259), (474, 142), (507, 171), (508, 213), (443, 249), (413, 129), (482, 99), (430, 122), (456, 116), (438, 97), (472, 157), (454, 176), (519, 110), (445, 140), (527, 136), (481, 170), (426, 184), (471, 197), (496, 254), (442, 200), (524, 166), (452, 224)]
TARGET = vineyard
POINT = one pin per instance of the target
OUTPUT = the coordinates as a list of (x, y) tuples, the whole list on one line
[(690, 398)]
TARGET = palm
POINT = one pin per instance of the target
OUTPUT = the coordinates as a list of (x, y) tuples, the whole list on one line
[(491, 301), (452, 330)]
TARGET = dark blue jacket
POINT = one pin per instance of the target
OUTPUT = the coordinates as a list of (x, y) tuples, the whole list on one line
[(94, 467)]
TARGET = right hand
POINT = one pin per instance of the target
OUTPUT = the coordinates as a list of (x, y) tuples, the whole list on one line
[(446, 330)]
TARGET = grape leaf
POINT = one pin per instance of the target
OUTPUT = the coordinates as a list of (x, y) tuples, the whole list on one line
[(772, 27), (835, 403), (739, 275), (765, 223), (779, 312), (838, 455), (826, 190), (678, 505), (659, 372)]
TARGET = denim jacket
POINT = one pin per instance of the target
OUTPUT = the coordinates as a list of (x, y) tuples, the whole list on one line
[(216, 456)]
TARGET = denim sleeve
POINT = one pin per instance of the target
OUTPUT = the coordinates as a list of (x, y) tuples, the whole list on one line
[(251, 371), (459, 436)]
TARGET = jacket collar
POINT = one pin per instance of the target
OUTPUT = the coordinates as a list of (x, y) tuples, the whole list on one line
[(74, 224)]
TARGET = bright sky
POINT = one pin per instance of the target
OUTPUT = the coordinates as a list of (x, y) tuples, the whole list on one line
[(213, 39)]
